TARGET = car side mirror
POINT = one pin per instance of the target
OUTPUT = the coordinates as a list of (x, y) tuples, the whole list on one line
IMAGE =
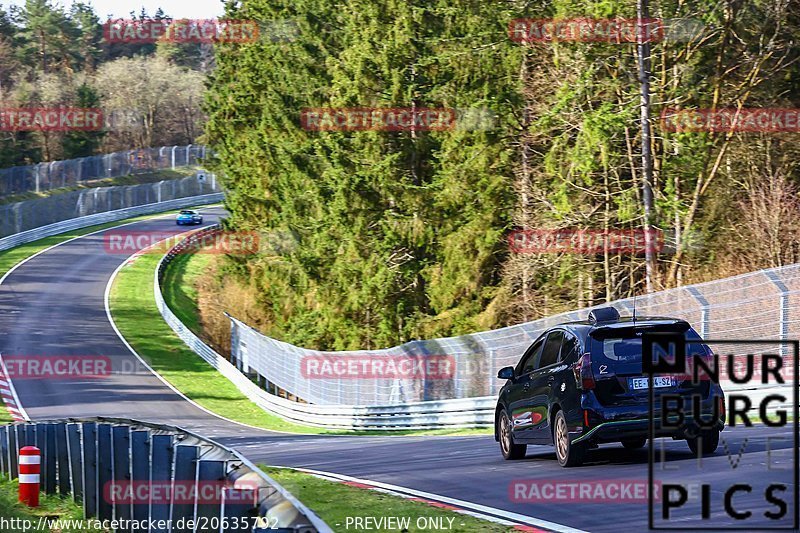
[(506, 373)]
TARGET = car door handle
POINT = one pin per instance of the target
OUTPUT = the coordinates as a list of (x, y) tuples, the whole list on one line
[(526, 386), (550, 380)]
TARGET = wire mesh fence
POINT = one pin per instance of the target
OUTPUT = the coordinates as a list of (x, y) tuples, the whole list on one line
[(23, 216), (71, 172), (758, 305)]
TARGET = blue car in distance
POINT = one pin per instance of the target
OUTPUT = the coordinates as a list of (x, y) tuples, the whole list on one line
[(188, 217)]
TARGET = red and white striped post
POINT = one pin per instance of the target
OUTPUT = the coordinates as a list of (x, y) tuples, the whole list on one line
[(30, 459)]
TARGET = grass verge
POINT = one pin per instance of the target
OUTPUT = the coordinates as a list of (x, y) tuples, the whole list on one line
[(52, 506), (5, 416), (13, 256), (180, 291), (326, 499), (139, 321)]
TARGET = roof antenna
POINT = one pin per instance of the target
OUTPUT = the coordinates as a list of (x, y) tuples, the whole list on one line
[(634, 307)]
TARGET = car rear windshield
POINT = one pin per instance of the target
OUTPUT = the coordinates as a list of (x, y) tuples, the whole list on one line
[(625, 346)]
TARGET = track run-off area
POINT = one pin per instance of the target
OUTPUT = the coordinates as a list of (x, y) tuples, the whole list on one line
[(55, 304)]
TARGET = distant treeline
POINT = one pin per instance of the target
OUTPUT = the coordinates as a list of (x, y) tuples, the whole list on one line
[(404, 234), (51, 57)]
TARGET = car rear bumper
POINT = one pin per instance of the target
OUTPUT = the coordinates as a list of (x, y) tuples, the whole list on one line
[(617, 430), (613, 424)]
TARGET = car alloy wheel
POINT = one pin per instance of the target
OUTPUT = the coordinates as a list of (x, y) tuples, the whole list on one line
[(510, 450), (505, 434), (567, 453), (562, 439)]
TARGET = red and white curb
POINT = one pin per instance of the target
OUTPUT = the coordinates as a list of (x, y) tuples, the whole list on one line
[(9, 395), (516, 521)]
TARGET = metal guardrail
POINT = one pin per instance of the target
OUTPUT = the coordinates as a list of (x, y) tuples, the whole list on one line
[(97, 459), (457, 413), (101, 218), (758, 305), (432, 414)]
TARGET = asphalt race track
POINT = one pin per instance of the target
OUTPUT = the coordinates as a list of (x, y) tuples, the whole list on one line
[(53, 305)]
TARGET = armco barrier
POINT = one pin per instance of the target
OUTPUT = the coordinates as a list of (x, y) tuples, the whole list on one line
[(252, 346), (96, 459), (755, 306), (108, 216), (458, 413)]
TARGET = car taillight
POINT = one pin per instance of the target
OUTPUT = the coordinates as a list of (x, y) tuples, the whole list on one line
[(583, 372)]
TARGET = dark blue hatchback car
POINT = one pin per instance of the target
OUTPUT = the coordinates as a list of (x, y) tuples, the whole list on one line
[(581, 384)]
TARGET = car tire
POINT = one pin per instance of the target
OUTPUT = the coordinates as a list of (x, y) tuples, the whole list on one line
[(510, 451), (707, 439), (568, 453), (635, 443)]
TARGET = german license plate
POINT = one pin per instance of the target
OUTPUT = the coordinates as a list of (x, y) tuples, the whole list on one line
[(641, 383)]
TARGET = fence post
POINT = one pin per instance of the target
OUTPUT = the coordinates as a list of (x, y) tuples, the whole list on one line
[(209, 472), (62, 452), (4, 449), (104, 471), (50, 458), (121, 469), (705, 310), (160, 475), (89, 448), (185, 472), (173, 156), (12, 452), (140, 469), (783, 321), (75, 461)]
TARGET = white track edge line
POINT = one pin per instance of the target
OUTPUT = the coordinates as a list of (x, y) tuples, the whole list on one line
[(30, 257), (515, 517), (156, 374), (459, 510)]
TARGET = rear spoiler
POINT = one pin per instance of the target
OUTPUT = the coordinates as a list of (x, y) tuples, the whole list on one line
[(617, 331)]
